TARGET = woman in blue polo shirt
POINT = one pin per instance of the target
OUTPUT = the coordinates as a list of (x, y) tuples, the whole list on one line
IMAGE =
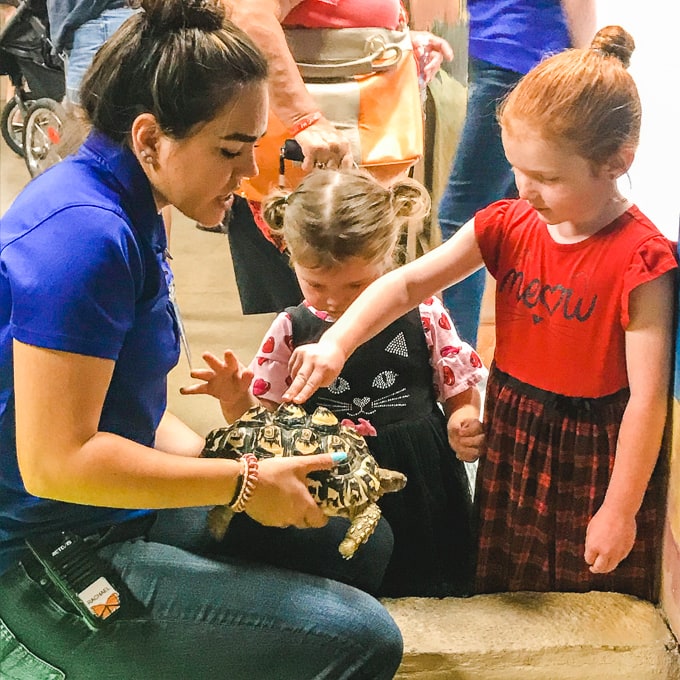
[(177, 101)]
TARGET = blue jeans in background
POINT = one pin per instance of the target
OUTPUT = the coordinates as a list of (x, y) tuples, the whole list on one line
[(87, 39), (194, 614), (480, 175)]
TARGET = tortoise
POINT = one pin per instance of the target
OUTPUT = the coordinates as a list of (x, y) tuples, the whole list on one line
[(349, 490)]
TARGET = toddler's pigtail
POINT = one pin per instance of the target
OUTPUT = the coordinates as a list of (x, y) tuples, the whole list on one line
[(273, 211), (410, 200)]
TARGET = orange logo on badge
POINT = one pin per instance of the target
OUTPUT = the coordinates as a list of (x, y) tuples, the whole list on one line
[(103, 611)]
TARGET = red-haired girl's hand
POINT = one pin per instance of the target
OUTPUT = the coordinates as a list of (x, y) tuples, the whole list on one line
[(609, 538), (313, 366)]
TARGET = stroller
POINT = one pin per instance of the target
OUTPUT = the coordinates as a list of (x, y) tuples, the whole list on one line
[(32, 120)]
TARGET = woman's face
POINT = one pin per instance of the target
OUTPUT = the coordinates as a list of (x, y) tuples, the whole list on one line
[(198, 174)]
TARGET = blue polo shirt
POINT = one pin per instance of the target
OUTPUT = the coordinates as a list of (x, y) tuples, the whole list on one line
[(516, 34), (82, 269)]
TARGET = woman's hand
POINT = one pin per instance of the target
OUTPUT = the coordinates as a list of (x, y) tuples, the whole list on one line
[(324, 146), (281, 497), (227, 380), (609, 538), (430, 52), (313, 366)]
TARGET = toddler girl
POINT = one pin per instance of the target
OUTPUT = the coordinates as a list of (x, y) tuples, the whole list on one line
[(341, 230)]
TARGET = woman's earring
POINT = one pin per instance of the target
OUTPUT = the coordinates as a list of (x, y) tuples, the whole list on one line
[(146, 156)]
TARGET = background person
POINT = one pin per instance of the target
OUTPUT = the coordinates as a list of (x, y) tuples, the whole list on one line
[(265, 280), (177, 101)]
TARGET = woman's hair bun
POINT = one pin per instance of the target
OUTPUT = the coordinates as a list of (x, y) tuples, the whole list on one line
[(169, 16), (616, 42)]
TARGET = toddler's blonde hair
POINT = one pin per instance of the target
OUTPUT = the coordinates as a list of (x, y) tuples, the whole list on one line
[(334, 215)]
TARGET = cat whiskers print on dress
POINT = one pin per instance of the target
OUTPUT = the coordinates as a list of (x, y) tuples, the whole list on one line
[(366, 405)]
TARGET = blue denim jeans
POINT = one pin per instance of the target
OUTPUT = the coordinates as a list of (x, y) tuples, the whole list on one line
[(479, 176), (87, 39), (195, 614)]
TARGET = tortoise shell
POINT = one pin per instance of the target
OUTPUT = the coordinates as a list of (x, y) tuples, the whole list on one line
[(349, 490)]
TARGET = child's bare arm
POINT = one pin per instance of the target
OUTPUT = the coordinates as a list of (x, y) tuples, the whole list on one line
[(465, 431), (611, 532), (227, 380)]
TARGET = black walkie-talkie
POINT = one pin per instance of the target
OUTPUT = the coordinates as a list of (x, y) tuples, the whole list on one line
[(81, 576)]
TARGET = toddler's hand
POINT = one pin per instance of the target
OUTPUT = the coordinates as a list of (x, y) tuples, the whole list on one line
[(609, 538), (466, 438), (227, 380)]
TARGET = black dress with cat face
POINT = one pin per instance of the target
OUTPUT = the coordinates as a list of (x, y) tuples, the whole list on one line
[(388, 381)]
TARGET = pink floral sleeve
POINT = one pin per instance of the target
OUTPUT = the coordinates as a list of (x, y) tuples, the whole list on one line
[(270, 364), (455, 365)]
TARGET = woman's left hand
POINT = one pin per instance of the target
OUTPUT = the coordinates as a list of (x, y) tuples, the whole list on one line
[(609, 539), (430, 52)]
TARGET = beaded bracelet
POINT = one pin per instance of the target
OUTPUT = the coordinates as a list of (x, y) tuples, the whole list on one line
[(304, 123), (246, 484)]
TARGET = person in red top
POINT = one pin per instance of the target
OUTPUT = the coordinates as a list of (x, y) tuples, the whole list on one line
[(569, 490)]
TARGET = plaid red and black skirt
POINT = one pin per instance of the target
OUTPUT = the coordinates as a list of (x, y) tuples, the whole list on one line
[(544, 474)]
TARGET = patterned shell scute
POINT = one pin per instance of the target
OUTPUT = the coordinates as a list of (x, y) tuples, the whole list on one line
[(350, 489)]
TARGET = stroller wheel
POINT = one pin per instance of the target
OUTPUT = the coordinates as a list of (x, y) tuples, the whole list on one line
[(42, 133), (12, 122)]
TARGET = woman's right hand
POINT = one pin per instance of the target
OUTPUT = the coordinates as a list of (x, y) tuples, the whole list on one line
[(312, 366), (324, 146), (281, 497)]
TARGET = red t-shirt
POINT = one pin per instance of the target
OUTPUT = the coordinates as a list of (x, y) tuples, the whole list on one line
[(345, 14), (562, 309)]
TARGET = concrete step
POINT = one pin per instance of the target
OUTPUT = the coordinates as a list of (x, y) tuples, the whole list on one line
[(535, 636)]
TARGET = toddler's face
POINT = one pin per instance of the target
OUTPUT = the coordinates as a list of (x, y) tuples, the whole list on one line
[(333, 289)]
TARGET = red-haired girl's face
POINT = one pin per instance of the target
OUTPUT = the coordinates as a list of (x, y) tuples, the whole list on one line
[(563, 187)]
